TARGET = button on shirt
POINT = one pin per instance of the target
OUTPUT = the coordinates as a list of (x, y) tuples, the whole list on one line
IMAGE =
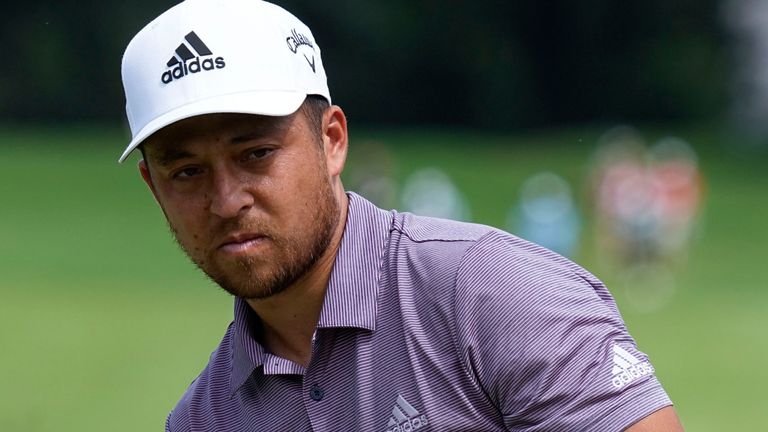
[(435, 325)]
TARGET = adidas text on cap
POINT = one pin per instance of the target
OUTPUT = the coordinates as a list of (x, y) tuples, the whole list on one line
[(214, 56)]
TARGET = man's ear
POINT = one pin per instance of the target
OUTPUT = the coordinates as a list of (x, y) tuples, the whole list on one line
[(335, 139), (144, 170)]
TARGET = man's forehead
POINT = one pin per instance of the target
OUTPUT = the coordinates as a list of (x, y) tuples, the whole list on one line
[(226, 126)]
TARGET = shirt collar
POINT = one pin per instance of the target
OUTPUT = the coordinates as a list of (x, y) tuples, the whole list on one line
[(247, 354), (350, 300)]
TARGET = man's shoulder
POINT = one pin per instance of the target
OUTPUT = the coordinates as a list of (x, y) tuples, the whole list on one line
[(445, 258), (479, 261), (462, 243), (215, 379), (427, 252), (430, 229)]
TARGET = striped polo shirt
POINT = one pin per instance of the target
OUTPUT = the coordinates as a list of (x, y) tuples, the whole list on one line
[(435, 325)]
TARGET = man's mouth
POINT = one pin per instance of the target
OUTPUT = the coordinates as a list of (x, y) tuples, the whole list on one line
[(242, 243)]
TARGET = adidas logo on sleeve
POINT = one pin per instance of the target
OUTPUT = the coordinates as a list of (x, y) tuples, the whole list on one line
[(627, 368), (189, 59)]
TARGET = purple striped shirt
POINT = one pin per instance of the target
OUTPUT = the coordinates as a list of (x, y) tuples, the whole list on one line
[(435, 325)]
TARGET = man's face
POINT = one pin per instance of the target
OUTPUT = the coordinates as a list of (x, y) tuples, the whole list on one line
[(248, 198)]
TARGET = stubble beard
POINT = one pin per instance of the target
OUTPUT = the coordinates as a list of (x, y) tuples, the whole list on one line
[(249, 279)]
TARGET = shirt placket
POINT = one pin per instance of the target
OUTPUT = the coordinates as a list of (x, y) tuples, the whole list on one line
[(314, 388)]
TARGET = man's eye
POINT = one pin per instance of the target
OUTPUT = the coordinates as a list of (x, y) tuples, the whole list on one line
[(187, 172), (257, 154)]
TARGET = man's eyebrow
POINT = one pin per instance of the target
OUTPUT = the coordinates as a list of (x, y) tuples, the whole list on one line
[(167, 157), (250, 136), (260, 131)]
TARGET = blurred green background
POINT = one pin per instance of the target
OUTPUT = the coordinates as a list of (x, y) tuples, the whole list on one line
[(103, 322)]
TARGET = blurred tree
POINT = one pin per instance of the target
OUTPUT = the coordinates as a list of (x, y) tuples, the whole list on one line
[(482, 63)]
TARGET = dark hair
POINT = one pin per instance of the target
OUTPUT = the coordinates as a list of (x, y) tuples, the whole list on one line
[(314, 107)]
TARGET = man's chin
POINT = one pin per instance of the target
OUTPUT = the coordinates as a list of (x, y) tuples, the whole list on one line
[(247, 289), (246, 282)]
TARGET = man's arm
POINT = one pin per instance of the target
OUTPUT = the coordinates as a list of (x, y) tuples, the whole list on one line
[(663, 420), (546, 343)]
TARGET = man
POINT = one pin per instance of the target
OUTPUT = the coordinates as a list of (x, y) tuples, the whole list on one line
[(348, 317)]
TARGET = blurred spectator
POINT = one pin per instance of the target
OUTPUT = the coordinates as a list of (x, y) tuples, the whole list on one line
[(546, 214), (430, 192), (625, 223), (677, 191), (646, 200)]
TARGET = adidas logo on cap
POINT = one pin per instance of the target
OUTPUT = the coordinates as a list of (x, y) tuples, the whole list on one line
[(185, 61)]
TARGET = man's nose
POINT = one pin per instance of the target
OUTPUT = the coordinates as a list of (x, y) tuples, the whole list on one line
[(229, 195)]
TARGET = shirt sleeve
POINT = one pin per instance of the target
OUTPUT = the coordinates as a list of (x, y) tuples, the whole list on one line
[(168, 422), (545, 342), (177, 420)]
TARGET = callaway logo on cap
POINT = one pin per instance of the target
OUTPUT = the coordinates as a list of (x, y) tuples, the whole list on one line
[(213, 56)]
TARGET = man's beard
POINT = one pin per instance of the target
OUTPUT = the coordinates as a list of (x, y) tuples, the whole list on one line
[(297, 255)]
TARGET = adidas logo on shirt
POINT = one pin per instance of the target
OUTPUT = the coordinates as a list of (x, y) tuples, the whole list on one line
[(192, 60), (405, 418), (627, 368)]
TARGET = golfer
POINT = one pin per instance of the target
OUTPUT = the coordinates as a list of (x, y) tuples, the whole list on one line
[(348, 317)]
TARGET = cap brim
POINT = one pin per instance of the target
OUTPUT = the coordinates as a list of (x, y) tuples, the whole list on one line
[(270, 103)]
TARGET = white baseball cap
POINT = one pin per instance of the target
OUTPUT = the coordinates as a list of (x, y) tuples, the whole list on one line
[(214, 56)]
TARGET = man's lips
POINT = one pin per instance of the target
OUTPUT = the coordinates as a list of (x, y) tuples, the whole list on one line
[(241, 243)]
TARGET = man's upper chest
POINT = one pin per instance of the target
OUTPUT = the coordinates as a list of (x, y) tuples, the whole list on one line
[(361, 380)]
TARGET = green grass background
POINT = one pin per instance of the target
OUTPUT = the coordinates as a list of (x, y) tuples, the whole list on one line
[(103, 323)]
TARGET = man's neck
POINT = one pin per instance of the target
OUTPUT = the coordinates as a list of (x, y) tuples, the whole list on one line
[(289, 319)]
